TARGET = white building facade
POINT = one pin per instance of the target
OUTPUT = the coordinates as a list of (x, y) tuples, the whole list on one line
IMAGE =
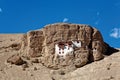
[(64, 48)]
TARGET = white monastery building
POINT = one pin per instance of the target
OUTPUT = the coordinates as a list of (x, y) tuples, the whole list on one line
[(63, 48)]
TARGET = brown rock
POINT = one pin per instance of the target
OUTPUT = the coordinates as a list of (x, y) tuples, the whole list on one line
[(35, 60), (15, 59), (97, 55), (97, 50), (41, 43), (81, 58), (25, 66), (15, 46), (35, 68)]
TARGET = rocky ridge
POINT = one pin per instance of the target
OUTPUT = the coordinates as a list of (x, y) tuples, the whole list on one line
[(41, 44)]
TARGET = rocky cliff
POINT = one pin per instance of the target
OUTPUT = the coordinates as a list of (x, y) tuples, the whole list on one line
[(41, 44)]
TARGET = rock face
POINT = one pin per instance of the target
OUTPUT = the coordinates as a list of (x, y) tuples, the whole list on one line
[(41, 43)]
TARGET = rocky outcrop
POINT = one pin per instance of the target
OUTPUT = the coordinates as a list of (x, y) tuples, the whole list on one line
[(15, 59), (41, 43)]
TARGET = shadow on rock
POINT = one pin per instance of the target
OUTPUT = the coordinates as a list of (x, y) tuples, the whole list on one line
[(110, 50)]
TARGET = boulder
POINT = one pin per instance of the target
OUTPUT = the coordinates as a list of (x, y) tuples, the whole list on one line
[(15, 59), (41, 43)]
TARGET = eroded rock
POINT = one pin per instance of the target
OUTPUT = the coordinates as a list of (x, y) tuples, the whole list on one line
[(76, 44), (15, 59)]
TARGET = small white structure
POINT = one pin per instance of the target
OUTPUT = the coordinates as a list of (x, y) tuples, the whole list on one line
[(63, 48), (77, 43)]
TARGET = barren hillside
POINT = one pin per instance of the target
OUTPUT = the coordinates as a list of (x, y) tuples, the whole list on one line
[(106, 69)]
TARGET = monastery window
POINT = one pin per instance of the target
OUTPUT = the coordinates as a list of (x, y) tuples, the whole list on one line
[(61, 56), (77, 41)]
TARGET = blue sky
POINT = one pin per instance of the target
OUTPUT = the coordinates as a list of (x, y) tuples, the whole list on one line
[(20, 16)]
